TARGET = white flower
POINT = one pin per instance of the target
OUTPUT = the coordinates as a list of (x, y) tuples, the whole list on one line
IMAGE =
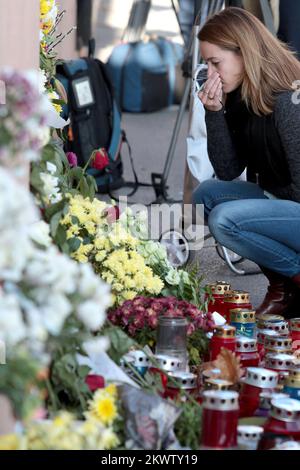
[(42, 77), (88, 282), (184, 276), (91, 314), (173, 277), (39, 233), (51, 168), (96, 346), (51, 189), (12, 328), (55, 313)]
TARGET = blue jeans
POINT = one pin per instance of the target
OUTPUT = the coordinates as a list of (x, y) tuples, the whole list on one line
[(242, 218)]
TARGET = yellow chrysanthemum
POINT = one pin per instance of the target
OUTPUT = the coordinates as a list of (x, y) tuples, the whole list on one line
[(63, 420), (109, 439), (111, 390), (103, 408), (128, 294), (82, 253)]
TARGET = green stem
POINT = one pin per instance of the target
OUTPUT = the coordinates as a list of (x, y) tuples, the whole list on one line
[(52, 395), (84, 168)]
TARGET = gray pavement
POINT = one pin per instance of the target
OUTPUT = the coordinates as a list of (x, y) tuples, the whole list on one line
[(149, 136)]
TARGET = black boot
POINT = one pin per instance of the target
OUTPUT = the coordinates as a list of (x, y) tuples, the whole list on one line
[(280, 297)]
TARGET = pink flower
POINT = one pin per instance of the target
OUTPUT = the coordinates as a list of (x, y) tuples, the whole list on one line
[(112, 214), (72, 159)]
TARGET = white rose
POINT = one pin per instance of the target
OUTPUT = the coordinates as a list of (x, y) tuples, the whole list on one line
[(12, 327), (39, 233), (91, 315), (173, 277)]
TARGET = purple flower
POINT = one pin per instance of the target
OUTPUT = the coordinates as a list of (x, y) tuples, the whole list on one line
[(72, 159)]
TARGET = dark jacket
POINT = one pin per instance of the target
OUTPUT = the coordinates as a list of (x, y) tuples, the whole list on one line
[(268, 146)]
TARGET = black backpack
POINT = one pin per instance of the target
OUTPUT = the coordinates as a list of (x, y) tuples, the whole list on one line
[(95, 119)]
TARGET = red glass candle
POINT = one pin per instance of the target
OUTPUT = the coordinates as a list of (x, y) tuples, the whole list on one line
[(219, 290), (261, 334), (181, 381), (164, 365), (220, 419), (265, 319), (284, 418), (277, 344), (249, 436), (236, 299), (218, 384), (246, 350), (257, 380), (224, 337), (279, 362), (295, 333), (265, 399)]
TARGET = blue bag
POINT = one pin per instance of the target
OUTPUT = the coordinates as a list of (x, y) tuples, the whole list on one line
[(145, 74)]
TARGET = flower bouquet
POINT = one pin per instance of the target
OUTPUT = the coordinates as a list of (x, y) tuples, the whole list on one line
[(139, 318)]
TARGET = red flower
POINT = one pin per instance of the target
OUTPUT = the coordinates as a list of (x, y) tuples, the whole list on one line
[(100, 159), (94, 382)]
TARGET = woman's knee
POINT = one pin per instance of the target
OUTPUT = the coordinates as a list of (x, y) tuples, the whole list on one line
[(204, 192), (221, 221)]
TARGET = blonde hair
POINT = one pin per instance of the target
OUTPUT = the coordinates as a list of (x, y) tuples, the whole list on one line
[(269, 66)]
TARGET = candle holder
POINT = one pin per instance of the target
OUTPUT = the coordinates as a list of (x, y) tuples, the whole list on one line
[(265, 399), (277, 344), (295, 333), (178, 381), (219, 290), (236, 299), (249, 436), (220, 419), (246, 350), (292, 384), (172, 338), (257, 379), (281, 327), (165, 365), (284, 417), (223, 337), (244, 322)]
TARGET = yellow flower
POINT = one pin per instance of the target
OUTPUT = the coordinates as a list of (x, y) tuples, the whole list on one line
[(100, 256), (109, 439), (103, 407), (63, 420), (128, 294), (111, 390), (82, 253), (9, 442)]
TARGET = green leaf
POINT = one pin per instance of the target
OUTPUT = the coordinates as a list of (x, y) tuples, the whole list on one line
[(76, 172), (74, 243), (84, 187), (54, 223), (61, 236), (120, 343), (75, 220), (57, 207), (83, 371)]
